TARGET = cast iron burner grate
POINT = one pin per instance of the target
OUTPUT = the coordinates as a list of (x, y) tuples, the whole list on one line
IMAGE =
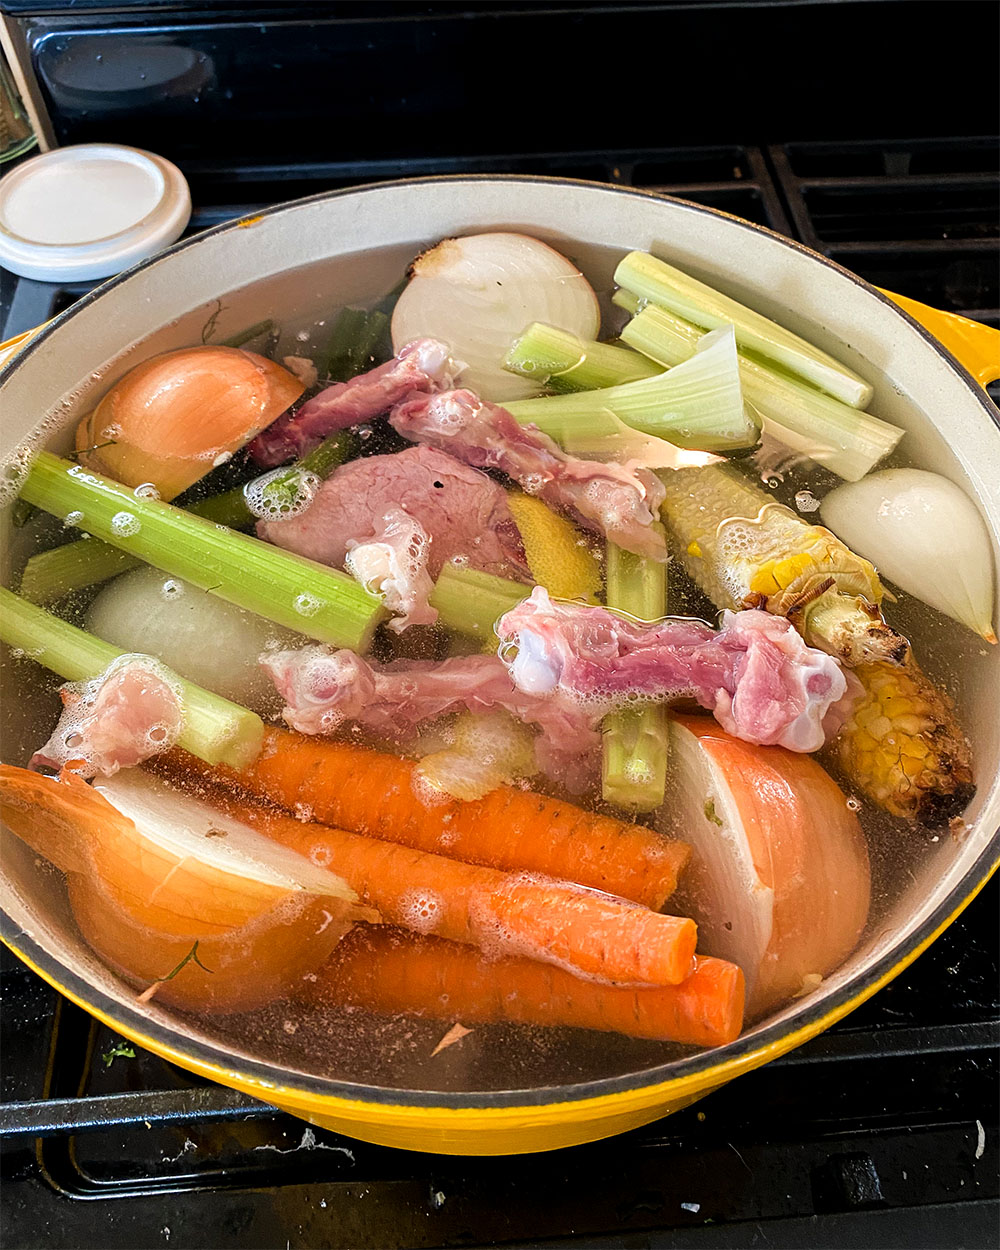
[(883, 1131)]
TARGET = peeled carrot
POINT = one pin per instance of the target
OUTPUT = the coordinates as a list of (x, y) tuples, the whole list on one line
[(387, 970), (593, 934), (374, 793)]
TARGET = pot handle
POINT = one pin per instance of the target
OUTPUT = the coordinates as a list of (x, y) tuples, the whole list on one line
[(974, 345)]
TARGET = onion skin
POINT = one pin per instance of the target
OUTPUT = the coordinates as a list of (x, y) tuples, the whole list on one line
[(169, 419), (808, 850), (142, 907)]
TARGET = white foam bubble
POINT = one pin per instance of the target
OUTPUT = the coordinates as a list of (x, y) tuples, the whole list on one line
[(125, 524)]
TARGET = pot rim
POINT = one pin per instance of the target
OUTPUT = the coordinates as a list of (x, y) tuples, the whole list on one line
[(708, 1067)]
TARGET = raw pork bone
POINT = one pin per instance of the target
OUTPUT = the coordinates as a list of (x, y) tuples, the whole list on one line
[(129, 713), (621, 502), (423, 365), (462, 512), (325, 689), (755, 674)]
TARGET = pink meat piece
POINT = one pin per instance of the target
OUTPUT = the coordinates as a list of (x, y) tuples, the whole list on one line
[(392, 563), (325, 690), (755, 674), (619, 501), (423, 365), (462, 512), (126, 715)]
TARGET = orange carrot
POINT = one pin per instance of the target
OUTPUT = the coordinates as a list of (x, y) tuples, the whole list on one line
[(373, 793), (387, 970), (593, 934)]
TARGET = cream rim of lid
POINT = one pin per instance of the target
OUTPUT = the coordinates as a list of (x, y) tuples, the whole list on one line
[(88, 211)]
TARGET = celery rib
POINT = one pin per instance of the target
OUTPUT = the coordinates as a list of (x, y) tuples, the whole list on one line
[(654, 280), (300, 594), (841, 438), (215, 730), (51, 575), (563, 362), (698, 405), (472, 602), (634, 741)]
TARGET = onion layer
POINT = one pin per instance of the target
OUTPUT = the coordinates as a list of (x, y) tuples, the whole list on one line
[(926, 535), (478, 293), (168, 421), (779, 879), (152, 872)]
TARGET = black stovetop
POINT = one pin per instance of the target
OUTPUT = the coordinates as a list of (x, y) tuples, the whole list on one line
[(882, 1132)]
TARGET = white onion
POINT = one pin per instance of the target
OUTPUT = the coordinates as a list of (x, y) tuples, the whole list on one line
[(478, 293), (206, 640), (925, 535)]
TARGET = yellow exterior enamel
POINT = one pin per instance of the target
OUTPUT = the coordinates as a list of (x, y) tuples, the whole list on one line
[(974, 345), (505, 1130)]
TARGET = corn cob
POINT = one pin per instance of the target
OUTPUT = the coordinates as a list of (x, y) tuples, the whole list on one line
[(902, 746), (745, 550)]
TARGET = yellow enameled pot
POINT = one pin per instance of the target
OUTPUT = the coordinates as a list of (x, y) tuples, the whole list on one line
[(294, 264)]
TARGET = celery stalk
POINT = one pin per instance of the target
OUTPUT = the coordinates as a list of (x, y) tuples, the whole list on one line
[(679, 293), (53, 574), (563, 362), (698, 405), (635, 739), (831, 433), (300, 594), (472, 602), (215, 730)]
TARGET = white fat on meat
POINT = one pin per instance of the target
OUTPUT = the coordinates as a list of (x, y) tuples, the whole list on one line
[(324, 690), (756, 674), (619, 501), (393, 564), (128, 714)]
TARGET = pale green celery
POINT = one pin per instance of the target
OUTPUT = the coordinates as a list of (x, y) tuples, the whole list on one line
[(215, 730), (698, 405), (248, 335), (833, 434), (635, 739), (659, 283), (51, 575), (563, 362), (472, 602), (54, 574), (300, 594)]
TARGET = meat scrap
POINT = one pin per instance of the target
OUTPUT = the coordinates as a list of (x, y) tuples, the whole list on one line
[(128, 714), (325, 689), (393, 563), (462, 512), (423, 365), (619, 501), (755, 674)]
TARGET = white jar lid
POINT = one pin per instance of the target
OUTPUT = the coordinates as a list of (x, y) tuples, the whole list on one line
[(89, 211)]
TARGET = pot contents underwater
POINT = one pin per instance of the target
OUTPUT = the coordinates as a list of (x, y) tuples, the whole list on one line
[(448, 732)]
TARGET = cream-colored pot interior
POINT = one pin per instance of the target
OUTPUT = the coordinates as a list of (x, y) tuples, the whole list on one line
[(299, 263)]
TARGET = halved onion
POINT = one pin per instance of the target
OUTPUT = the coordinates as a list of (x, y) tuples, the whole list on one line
[(478, 293), (779, 879), (168, 421), (152, 871)]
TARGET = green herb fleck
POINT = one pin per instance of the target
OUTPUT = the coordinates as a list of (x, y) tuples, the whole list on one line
[(710, 813), (191, 955), (83, 451), (122, 1050)]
